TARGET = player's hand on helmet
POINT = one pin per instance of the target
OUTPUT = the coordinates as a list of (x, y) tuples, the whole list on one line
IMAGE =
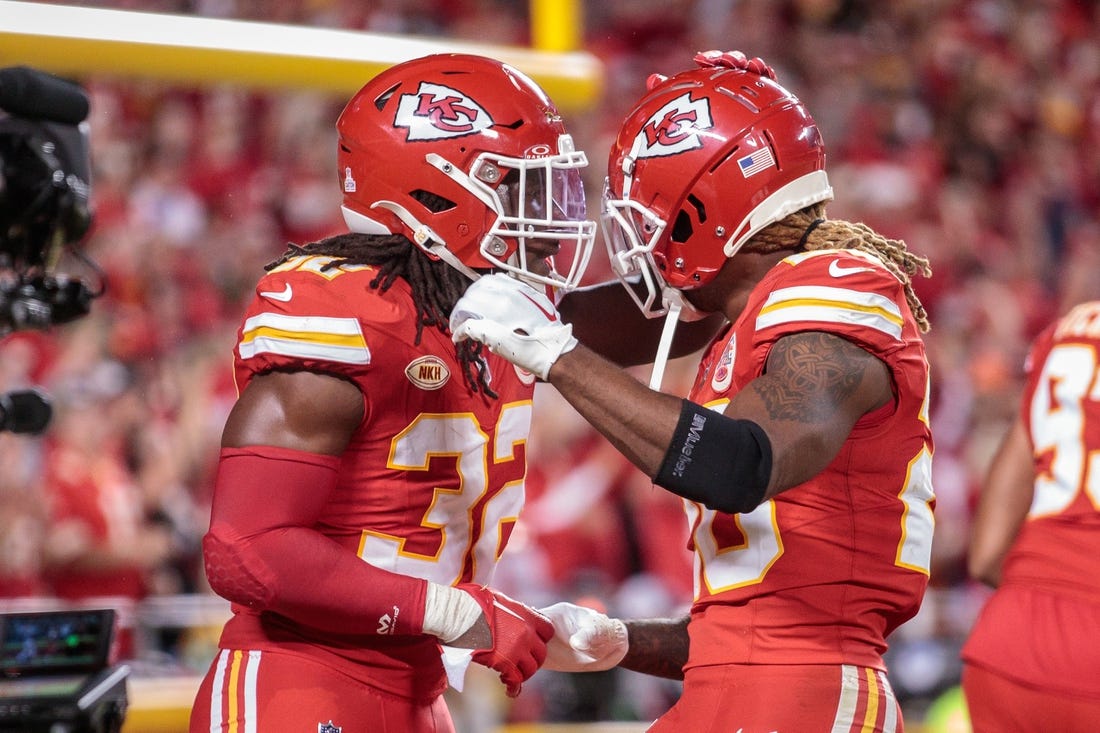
[(514, 320), (734, 60), (585, 640)]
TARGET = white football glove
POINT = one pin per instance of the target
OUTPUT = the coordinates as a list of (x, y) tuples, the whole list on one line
[(514, 320), (584, 640)]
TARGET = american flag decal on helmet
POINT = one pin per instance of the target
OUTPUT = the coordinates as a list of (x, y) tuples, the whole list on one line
[(756, 161)]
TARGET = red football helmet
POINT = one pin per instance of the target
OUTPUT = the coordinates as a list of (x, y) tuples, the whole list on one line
[(468, 158), (706, 159)]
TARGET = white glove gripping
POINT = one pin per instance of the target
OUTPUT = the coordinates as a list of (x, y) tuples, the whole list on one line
[(584, 640), (514, 320)]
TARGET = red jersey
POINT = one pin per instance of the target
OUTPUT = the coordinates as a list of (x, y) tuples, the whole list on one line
[(1048, 581), (826, 570), (432, 481), (1058, 547)]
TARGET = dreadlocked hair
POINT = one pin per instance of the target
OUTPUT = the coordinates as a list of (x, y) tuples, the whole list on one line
[(436, 286), (839, 234)]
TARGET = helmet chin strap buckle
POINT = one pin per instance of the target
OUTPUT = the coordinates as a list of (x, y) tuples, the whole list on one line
[(422, 234)]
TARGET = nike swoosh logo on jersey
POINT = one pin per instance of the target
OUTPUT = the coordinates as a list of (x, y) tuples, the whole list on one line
[(283, 295), (836, 270), (550, 315)]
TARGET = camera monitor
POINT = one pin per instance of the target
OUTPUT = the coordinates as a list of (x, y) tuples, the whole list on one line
[(55, 670)]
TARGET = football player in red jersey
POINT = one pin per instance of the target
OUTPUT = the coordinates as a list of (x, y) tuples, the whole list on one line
[(803, 451), (371, 470), (1032, 661)]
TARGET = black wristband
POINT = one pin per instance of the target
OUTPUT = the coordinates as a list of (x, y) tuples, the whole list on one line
[(720, 462)]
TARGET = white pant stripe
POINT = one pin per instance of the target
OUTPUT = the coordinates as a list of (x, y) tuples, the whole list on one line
[(849, 699), (890, 723), (251, 713), (216, 692)]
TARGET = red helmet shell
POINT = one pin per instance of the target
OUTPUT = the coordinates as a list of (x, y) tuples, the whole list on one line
[(717, 154), (457, 107)]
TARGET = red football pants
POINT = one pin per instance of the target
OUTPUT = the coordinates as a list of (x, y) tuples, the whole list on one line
[(269, 692), (764, 698), (999, 705)]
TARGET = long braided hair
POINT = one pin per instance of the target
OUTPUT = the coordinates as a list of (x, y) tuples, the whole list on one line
[(436, 286), (838, 234)]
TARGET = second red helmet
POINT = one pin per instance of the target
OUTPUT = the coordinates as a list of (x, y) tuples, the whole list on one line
[(707, 158)]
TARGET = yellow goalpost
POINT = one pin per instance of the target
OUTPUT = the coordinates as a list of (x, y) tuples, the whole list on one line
[(78, 41)]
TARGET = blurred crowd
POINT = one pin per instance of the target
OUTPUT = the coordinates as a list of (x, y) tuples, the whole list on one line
[(967, 129)]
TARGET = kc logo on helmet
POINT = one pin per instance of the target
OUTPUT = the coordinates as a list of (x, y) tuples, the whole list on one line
[(436, 112), (674, 128)]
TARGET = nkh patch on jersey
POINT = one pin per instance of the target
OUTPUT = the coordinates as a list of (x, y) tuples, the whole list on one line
[(428, 372), (436, 112), (674, 128)]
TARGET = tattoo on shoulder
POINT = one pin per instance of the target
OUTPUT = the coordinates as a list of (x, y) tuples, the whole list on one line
[(808, 364)]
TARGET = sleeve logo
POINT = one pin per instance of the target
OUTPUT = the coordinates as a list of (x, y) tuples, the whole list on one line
[(387, 624)]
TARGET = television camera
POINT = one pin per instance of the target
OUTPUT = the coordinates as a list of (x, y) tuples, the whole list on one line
[(45, 186)]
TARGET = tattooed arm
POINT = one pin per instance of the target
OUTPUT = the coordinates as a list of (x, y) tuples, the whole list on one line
[(815, 387)]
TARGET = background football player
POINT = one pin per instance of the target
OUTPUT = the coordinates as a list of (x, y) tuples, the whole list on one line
[(1032, 661)]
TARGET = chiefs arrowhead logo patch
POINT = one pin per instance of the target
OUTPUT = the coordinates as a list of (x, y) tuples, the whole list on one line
[(436, 112), (723, 373), (428, 372)]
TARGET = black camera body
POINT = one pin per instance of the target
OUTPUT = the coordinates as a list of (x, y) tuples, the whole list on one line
[(45, 188)]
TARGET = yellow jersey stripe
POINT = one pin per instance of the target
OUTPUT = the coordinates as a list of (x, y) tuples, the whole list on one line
[(306, 337), (831, 305)]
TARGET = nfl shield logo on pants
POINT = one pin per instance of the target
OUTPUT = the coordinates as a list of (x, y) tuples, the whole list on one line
[(328, 728)]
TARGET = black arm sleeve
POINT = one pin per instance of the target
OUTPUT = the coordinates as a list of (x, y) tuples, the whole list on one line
[(720, 462)]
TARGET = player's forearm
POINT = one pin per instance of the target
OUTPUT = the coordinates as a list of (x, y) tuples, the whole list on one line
[(638, 421), (307, 577), (658, 647), (262, 552)]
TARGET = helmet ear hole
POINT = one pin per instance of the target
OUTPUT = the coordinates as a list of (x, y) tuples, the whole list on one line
[(682, 228), (433, 202)]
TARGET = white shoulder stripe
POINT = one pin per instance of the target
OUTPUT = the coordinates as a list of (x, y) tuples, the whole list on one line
[(306, 337), (831, 305)]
